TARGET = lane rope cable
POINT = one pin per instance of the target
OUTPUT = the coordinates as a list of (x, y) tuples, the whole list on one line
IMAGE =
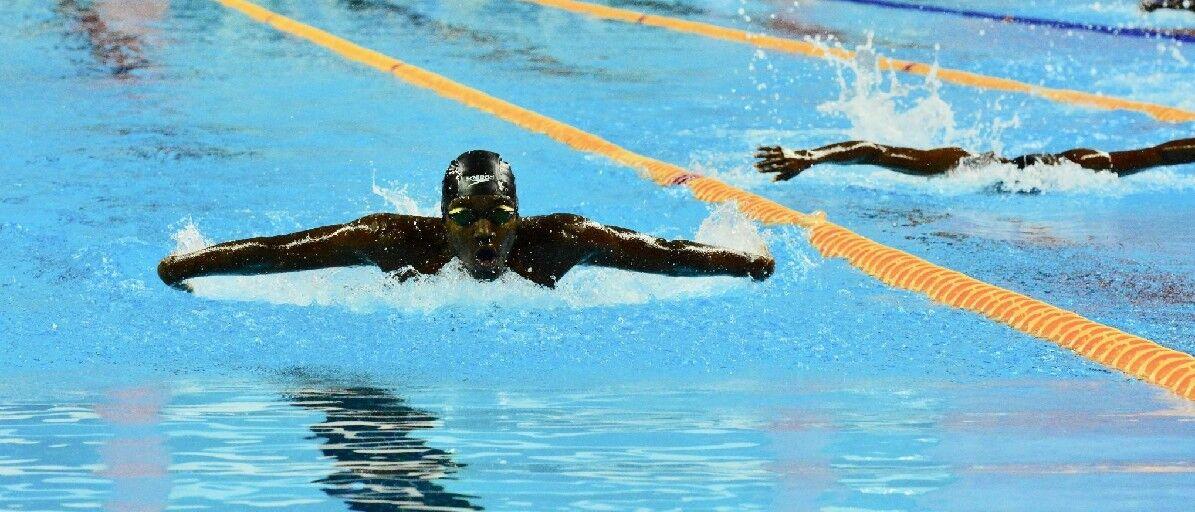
[(1148, 33), (808, 49), (1131, 354)]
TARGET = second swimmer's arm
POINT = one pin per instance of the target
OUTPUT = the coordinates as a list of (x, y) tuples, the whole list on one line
[(1153, 5), (1177, 152), (788, 163), (339, 245), (625, 249), (1123, 163)]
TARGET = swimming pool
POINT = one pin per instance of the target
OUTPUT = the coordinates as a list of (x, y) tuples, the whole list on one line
[(818, 389)]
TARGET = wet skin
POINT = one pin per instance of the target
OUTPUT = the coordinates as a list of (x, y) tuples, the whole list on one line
[(541, 249), (1153, 5), (482, 231), (785, 163)]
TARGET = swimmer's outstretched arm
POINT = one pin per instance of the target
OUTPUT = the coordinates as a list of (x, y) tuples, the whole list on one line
[(615, 247), (1153, 5), (365, 241), (786, 163), (1125, 163)]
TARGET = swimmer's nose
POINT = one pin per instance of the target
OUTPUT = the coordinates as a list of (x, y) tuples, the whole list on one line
[(484, 232)]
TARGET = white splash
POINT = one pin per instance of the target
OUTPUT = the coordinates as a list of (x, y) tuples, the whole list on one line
[(188, 238), (396, 196), (729, 228), (882, 109), (367, 289)]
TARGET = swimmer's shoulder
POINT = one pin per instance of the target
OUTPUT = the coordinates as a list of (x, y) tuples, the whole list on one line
[(398, 227), (553, 244), (556, 225)]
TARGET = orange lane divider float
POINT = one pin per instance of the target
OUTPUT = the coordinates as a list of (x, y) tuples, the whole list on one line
[(1068, 96), (1136, 356)]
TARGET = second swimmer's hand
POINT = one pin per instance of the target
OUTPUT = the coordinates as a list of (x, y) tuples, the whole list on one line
[(773, 159)]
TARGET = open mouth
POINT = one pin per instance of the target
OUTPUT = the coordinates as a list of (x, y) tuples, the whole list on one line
[(486, 256)]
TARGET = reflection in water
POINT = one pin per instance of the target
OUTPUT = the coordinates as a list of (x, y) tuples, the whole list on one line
[(666, 7), (381, 466), (885, 455), (136, 458), (117, 30), (496, 45)]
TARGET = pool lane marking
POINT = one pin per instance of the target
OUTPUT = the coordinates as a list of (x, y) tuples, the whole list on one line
[(1150, 33), (1154, 363), (1066, 96)]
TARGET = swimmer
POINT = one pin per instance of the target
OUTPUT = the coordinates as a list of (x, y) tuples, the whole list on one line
[(479, 225), (786, 163), (1153, 5), (118, 31)]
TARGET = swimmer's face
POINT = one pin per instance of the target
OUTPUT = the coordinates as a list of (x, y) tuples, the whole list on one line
[(482, 230)]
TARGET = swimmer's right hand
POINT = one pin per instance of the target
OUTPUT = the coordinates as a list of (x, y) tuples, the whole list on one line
[(762, 268), (774, 159)]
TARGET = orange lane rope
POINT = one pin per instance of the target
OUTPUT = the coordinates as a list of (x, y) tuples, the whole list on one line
[(1137, 356), (1068, 96)]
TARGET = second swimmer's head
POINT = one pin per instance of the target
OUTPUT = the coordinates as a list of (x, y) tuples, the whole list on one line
[(480, 211)]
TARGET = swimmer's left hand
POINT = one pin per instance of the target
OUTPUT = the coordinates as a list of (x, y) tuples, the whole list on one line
[(166, 271), (773, 159)]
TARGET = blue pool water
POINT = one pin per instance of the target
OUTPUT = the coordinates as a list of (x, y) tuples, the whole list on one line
[(820, 389)]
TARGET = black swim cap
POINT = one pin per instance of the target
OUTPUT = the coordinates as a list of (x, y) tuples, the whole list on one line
[(477, 173)]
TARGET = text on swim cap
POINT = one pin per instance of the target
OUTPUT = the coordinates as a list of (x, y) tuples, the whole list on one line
[(481, 178)]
